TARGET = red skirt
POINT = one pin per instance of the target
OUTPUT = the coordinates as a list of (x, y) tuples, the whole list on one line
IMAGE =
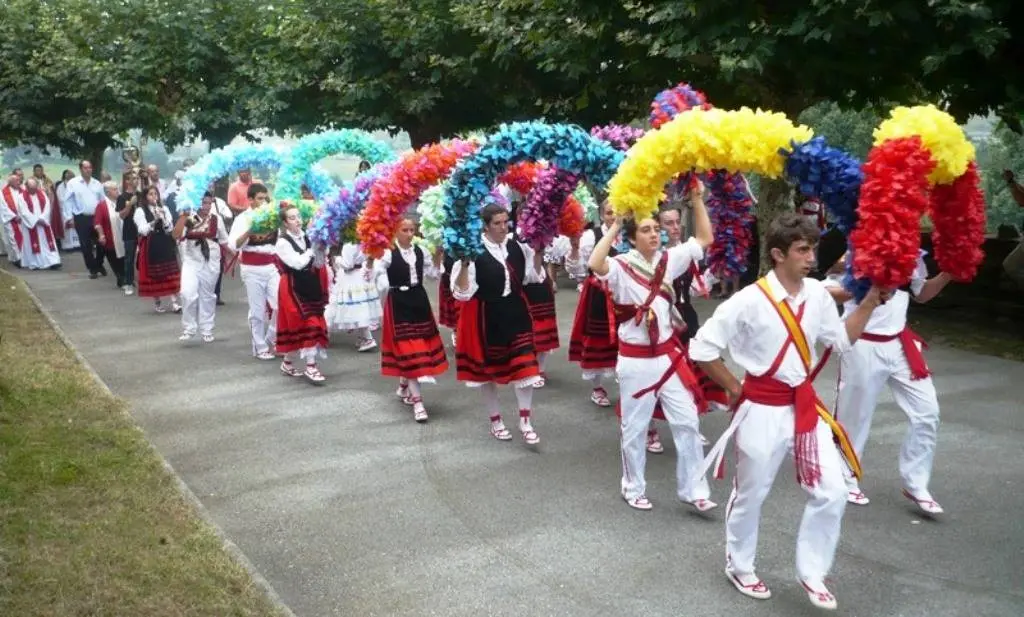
[(540, 299), (157, 280), (448, 308), (295, 331), (410, 346), (593, 343), (478, 361)]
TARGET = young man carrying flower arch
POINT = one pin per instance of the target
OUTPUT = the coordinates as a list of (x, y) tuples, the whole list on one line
[(770, 330)]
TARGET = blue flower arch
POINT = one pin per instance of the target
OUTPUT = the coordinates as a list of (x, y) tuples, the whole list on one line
[(298, 167), (564, 146)]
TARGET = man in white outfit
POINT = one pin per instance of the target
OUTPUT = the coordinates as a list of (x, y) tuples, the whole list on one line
[(39, 248), (888, 352), (259, 274), (200, 239), (770, 330)]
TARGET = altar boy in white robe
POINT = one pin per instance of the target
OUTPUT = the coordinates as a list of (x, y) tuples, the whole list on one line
[(39, 248)]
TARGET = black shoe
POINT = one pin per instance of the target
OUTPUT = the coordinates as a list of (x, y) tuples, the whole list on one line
[(93, 275), (102, 271), (220, 302)]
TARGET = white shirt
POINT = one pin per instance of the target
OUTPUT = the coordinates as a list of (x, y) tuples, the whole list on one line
[(286, 252), (189, 248), (222, 209), (625, 290), (751, 329), (499, 252), (409, 255), (159, 212), (83, 197), (578, 269), (889, 318), (241, 225)]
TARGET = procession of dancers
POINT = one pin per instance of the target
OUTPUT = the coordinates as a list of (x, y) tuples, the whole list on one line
[(634, 326)]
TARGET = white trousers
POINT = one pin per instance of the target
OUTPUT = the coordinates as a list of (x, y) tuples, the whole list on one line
[(261, 287), (198, 298), (13, 250), (863, 372), (680, 410), (763, 439)]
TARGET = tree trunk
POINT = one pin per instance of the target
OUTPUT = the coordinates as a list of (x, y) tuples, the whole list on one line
[(422, 134), (776, 197)]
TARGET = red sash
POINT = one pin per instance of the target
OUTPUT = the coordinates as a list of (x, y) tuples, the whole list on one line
[(808, 408), (678, 366), (33, 233), (15, 227), (908, 339), (252, 258), (625, 312)]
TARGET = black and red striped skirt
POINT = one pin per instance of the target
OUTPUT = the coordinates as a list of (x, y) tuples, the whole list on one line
[(494, 341), (300, 323), (448, 308), (593, 343), (540, 299), (159, 272), (411, 345)]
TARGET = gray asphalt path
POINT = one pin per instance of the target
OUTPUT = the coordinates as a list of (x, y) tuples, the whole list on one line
[(350, 508)]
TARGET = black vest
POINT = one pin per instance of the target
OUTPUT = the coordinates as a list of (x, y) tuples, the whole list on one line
[(398, 270), (490, 273)]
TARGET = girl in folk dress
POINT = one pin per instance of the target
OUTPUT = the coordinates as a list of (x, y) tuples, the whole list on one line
[(593, 343), (200, 237), (159, 273), (495, 334), (448, 308), (540, 299), (302, 297), (355, 301), (411, 347)]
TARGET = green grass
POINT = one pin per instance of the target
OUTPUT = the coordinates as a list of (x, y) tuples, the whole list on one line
[(90, 522)]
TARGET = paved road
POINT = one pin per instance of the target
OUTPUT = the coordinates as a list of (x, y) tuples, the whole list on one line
[(350, 508)]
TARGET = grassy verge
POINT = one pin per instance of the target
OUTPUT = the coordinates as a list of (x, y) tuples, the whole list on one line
[(90, 522)]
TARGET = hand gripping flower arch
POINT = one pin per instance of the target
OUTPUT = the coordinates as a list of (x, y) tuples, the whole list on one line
[(701, 140), (297, 166), (400, 188), (921, 162), (566, 147), (219, 163), (728, 197)]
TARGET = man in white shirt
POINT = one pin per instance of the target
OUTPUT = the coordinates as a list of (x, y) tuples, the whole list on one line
[(259, 274), (84, 194), (888, 352), (770, 330), (153, 171), (227, 217)]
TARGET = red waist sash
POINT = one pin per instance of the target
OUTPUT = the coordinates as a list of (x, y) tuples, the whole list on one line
[(766, 390), (907, 337), (677, 366), (252, 258)]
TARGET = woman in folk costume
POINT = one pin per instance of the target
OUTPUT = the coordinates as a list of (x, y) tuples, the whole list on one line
[(109, 231), (652, 366), (495, 333), (39, 247), (447, 307), (200, 236), (410, 347), (355, 301), (771, 330), (593, 342), (302, 297), (540, 299), (159, 273)]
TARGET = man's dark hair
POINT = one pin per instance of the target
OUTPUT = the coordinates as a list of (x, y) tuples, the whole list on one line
[(787, 228), (255, 189), (37, 166), (490, 211)]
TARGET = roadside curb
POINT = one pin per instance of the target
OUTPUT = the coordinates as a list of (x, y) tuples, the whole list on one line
[(229, 547)]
